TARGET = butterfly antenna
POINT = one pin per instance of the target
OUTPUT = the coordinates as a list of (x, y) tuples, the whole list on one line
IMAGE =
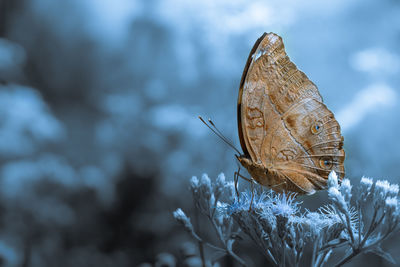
[(215, 130), (229, 142)]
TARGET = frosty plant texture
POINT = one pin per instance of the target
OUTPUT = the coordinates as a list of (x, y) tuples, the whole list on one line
[(356, 221)]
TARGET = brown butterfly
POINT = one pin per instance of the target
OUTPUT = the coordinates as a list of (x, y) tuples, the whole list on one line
[(291, 141)]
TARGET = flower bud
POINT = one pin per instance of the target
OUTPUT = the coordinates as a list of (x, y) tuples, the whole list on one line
[(220, 184), (393, 190), (231, 190), (332, 179), (221, 180), (366, 183), (194, 182), (205, 186), (345, 189), (382, 188), (337, 198), (181, 217), (391, 204)]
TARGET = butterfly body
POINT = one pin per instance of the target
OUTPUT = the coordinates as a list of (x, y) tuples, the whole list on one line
[(264, 175), (290, 139)]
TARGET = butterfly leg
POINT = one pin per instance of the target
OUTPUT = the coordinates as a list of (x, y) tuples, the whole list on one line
[(236, 179), (250, 180)]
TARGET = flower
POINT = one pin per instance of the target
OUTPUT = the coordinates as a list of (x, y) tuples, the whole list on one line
[(335, 195), (332, 179), (393, 190), (345, 189), (221, 180), (283, 204), (366, 183), (181, 217), (249, 199), (274, 221), (194, 182), (219, 185), (391, 204), (221, 212), (382, 187), (230, 186), (205, 186), (365, 188)]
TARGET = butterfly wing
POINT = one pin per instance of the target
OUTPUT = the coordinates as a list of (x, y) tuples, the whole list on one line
[(283, 123), (317, 132), (243, 143)]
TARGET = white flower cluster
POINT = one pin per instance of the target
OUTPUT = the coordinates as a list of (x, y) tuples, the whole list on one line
[(364, 233), (211, 200), (282, 232), (274, 221)]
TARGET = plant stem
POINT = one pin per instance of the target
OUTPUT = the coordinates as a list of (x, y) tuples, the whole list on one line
[(314, 252), (372, 229), (233, 254), (201, 249), (228, 248), (322, 259), (200, 241), (283, 253), (348, 258)]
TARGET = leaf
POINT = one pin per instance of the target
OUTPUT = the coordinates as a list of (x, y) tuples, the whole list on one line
[(379, 251)]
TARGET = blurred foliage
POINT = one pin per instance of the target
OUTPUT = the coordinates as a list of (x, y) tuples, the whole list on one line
[(99, 102)]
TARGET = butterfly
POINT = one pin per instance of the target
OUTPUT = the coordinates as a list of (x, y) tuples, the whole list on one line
[(290, 140)]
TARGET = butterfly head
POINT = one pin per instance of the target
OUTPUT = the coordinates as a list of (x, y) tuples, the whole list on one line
[(259, 172), (266, 175)]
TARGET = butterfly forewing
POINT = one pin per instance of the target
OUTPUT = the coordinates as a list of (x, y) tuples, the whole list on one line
[(239, 106)]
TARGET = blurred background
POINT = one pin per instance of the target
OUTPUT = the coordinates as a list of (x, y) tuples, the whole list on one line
[(98, 114)]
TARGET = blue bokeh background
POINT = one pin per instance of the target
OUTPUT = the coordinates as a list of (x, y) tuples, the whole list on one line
[(99, 101)]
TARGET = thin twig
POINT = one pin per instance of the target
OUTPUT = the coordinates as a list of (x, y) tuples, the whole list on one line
[(227, 248), (200, 241)]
